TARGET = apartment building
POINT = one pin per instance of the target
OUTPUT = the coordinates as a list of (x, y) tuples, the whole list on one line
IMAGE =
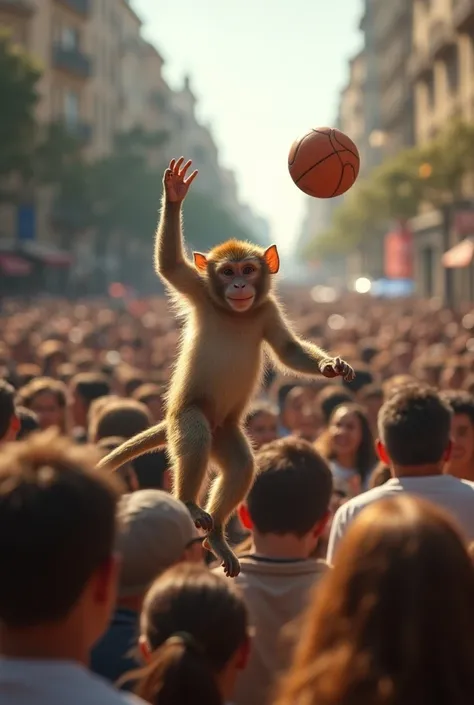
[(391, 24), (442, 72)]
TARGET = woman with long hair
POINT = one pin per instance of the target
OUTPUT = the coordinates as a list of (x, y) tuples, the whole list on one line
[(194, 639), (393, 622), (348, 446)]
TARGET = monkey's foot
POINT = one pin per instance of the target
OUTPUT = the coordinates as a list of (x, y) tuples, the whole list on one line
[(216, 543), (201, 519)]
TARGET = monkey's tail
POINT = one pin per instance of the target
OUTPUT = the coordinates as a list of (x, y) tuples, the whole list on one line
[(144, 442)]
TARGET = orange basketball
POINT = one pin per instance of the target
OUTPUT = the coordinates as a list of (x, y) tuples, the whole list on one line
[(324, 163)]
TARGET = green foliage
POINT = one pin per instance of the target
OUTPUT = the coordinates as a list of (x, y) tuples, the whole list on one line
[(433, 173), (18, 80)]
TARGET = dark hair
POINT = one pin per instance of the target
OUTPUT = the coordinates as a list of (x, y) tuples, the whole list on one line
[(260, 407), (414, 425), (460, 403), (56, 514), (393, 621), (150, 469), (371, 391), (120, 418), (362, 379), (365, 457), (28, 422), (7, 406), (330, 398), (380, 476), (194, 621), (90, 386), (282, 393), (292, 488)]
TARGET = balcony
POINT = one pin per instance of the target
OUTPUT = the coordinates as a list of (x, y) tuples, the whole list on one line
[(20, 8), (420, 65), (393, 107), (72, 61), (442, 39), (463, 15), (388, 20), (80, 7)]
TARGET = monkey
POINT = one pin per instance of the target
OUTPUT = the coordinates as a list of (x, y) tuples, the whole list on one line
[(231, 318)]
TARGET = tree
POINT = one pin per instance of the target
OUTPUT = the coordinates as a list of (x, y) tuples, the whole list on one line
[(18, 87)]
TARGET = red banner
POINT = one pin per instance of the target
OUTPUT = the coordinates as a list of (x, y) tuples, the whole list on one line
[(399, 254)]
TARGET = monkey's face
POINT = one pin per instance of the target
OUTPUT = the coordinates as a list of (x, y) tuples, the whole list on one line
[(238, 282)]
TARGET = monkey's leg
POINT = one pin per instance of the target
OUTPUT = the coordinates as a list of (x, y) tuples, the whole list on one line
[(233, 453), (189, 446)]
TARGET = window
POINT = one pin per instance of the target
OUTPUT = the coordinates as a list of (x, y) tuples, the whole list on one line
[(430, 91), (71, 108), (452, 71), (69, 38)]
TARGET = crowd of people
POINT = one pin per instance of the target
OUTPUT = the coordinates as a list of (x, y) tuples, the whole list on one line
[(355, 540)]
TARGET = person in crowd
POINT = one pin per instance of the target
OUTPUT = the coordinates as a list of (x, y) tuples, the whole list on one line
[(371, 399), (262, 424), (152, 396), (379, 631), (9, 421), (414, 432), (349, 447), (48, 398), (120, 418), (380, 475), (155, 532), (328, 401), (29, 422), (59, 571), (194, 639), (297, 417), (85, 388), (461, 460), (286, 510)]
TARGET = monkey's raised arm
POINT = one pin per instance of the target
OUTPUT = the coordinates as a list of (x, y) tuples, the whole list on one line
[(170, 260), (297, 354)]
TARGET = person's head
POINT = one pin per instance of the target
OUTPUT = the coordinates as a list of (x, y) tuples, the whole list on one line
[(48, 399), (371, 398), (51, 355), (414, 431), (57, 533), (9, 422), (362, 379), (155, 532), (85, 388), (453, 376), (393, 621), (393, 384), (152, 396), (123, 417), (330, 398), (288, 504), (461, 459), (298, 415), (126, 472), (348, 439), (194, 638), (262, 424), (28, 422)]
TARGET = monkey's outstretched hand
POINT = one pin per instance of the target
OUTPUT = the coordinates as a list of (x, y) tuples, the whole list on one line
[(335, 367), (175, 181)]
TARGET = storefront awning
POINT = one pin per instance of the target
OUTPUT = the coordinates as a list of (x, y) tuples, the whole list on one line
[(460, 255), (14, 266)]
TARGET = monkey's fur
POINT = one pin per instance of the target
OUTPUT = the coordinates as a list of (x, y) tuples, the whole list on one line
[(218, 368)]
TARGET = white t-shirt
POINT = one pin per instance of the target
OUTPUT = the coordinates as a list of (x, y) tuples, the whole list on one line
[(28, 682), (455, 496)]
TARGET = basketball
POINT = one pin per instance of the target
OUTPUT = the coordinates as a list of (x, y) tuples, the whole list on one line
[(324, 163)]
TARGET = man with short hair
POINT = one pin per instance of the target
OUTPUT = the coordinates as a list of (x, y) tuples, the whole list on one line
[(286, 510), (414, 440), (9, 422), (59, 572), (156, 531), (461, 460), (85, 388)]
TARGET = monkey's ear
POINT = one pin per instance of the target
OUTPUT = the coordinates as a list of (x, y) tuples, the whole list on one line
[(200, 261), (272, 258)]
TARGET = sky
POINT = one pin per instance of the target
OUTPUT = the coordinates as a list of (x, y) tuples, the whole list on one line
[(264, 73)]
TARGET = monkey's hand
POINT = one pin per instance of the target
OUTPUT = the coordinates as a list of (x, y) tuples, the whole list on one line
[(175, 182), (335, 367)]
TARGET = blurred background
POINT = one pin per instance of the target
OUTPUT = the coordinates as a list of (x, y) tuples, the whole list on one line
[(97, 95)]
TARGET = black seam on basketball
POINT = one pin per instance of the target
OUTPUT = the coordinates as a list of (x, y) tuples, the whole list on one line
[(314, 165), (346, 149), (344, 167), (298, 149), (342, 171), (320, 132)]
